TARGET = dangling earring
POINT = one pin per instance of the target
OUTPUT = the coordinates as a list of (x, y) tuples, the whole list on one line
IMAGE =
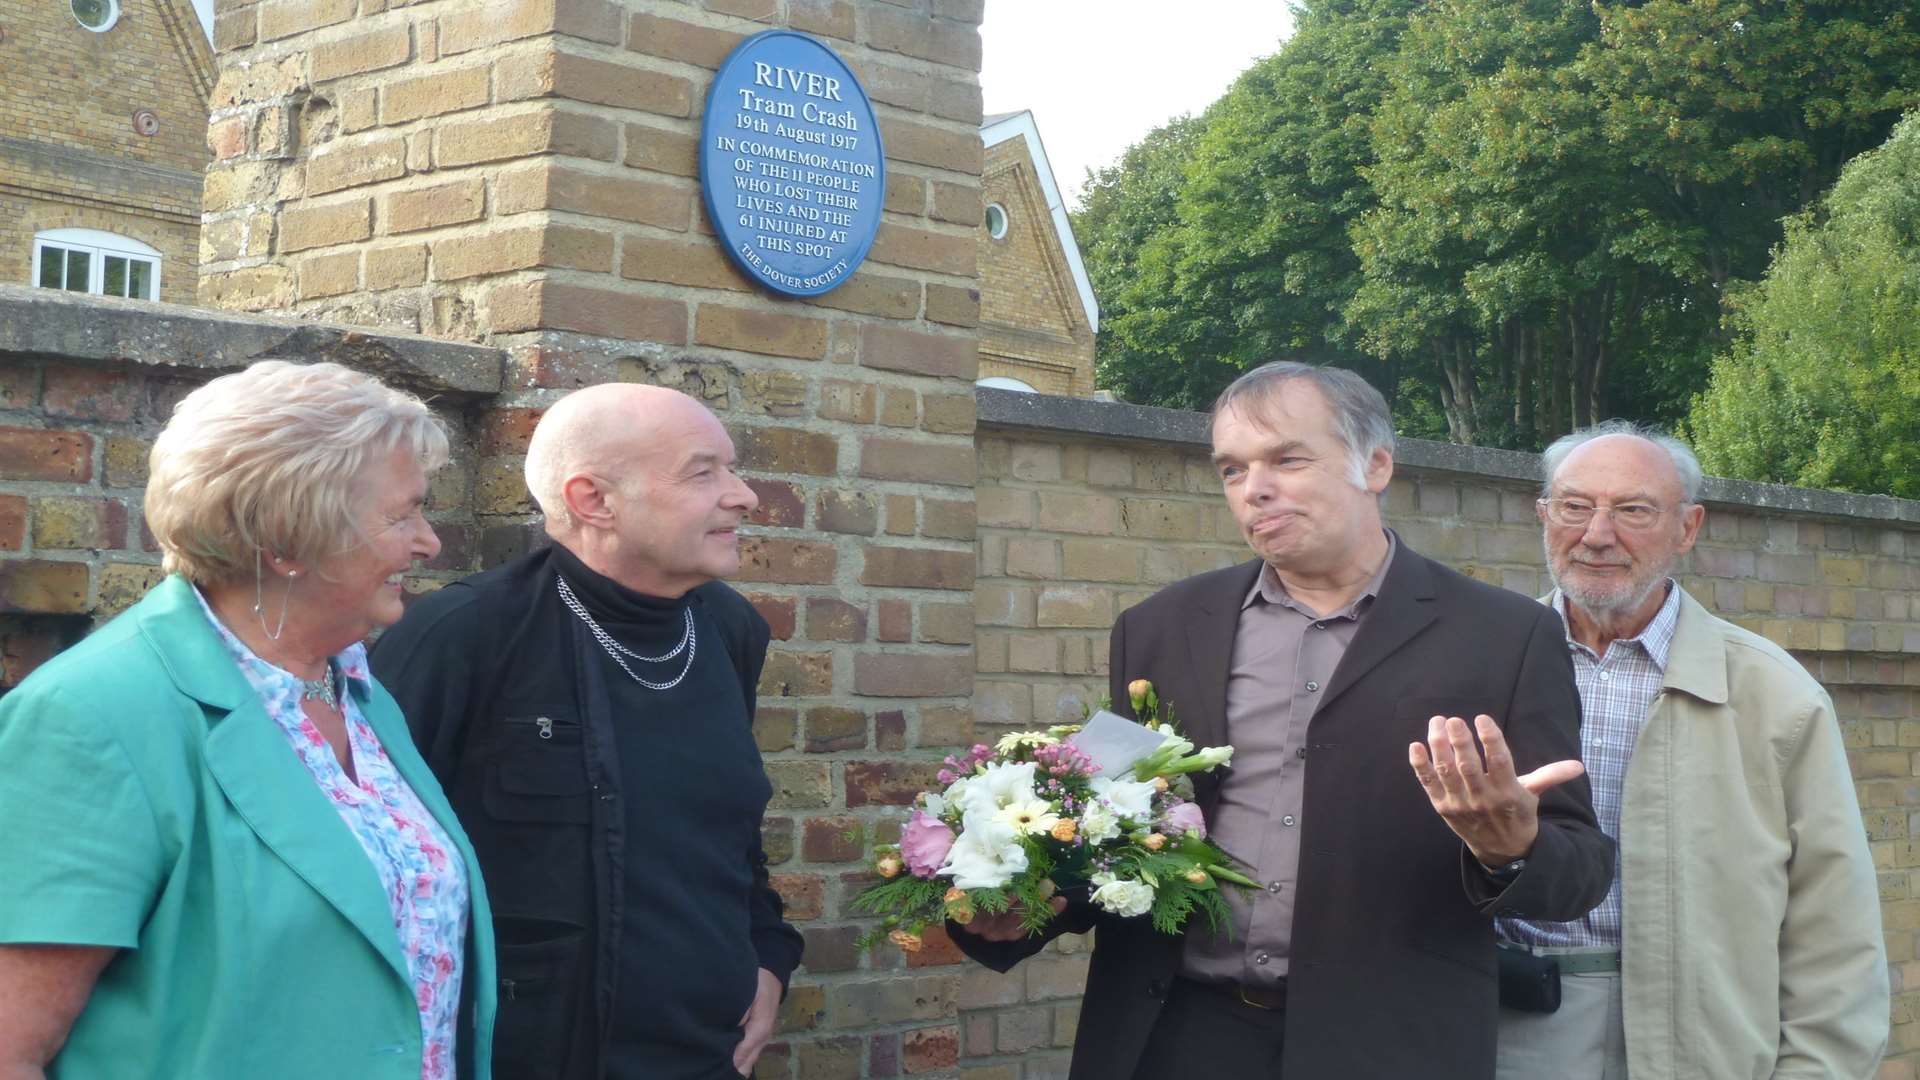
[(259, 607)]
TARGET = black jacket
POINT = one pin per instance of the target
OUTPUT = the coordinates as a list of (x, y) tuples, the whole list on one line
[(1392, 969), (528, 760)]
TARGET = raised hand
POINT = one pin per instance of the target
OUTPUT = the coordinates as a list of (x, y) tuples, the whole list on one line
[(1493, 811)]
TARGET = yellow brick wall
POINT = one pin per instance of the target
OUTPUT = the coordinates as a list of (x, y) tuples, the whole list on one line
[(21, 216), (1032, 325), (69, 153)]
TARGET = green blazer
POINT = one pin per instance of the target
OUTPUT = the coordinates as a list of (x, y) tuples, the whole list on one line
[(150, 803)]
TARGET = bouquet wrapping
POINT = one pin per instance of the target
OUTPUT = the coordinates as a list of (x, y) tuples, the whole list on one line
[(1016, 822)]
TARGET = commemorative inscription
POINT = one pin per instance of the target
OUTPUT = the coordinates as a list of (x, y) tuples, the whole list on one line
[(791, 164)]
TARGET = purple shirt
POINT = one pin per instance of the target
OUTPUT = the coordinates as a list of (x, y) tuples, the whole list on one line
[(1284, 655)]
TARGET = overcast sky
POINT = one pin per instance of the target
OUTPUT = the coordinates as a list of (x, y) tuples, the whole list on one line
[(1099, 74)]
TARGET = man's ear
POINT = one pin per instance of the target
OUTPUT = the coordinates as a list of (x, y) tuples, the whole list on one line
[(585, 496), (1691, 518), (1379, 470)]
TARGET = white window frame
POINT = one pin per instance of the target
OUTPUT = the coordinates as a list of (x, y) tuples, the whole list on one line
[(99, 245), (1004, 382), (1005, 221), (113, 17)]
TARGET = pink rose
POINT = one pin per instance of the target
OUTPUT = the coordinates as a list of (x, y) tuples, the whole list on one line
[(924, 843), (1184, 817)]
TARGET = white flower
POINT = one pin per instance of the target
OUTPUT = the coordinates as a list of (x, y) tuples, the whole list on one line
[(1124, 898), (1098, 823), (955, 797), (986, 854), (1129, 798), (995, 789), (935, 805), (1031, 816), (1214, 755), (1174, 746)]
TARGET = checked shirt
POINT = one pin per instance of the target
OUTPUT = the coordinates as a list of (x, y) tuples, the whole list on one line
[(1616, 690)]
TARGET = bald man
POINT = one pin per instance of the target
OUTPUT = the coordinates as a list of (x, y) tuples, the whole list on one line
[(588, 708)]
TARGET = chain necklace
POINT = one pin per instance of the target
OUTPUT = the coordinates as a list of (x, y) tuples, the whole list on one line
[(688, 640)]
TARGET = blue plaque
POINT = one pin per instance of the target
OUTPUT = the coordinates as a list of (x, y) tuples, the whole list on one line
[(791, 165)]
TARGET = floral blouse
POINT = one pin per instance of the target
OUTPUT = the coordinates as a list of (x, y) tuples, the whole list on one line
[(422, 872)]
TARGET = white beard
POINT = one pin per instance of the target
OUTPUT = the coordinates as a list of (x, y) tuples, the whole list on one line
[(1623, 599)]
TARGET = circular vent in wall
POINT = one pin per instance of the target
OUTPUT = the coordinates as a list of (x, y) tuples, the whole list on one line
[(96, 15)]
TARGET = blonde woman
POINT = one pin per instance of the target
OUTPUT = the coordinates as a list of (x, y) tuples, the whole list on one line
[(222, 856)]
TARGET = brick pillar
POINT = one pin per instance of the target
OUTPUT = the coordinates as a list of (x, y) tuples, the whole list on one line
[(522, 173)]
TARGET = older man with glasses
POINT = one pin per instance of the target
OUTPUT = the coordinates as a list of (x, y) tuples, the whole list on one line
[(1741, 937)]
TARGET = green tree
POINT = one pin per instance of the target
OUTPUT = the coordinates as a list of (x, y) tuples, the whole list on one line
[(1488, 262), (1822, 385), (1128, 228), (1235, 251), (1514, 216)]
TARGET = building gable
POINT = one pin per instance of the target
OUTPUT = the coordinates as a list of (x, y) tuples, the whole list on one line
[(1037, 314), (1005, 127), (110, 133), (1025, 283)]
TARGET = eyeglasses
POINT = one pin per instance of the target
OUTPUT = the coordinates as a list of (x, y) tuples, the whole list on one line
[(1573, 513)]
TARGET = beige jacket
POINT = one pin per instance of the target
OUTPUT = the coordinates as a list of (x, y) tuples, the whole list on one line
[(1740, 829)]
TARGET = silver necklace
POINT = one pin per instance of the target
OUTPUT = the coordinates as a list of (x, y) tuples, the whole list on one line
[(320, 689), (688, 640)]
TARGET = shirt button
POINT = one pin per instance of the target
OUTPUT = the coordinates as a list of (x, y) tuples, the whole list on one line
[(1302, 752), (1312, 687), (1604, 676), (1273, 886), (1288, 820), (1260, 959), (1320, 626)]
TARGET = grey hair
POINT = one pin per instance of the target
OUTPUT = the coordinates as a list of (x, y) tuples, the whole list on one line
[(1360, 415), (1684, 461)]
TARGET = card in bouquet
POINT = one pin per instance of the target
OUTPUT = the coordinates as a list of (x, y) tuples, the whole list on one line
[(1114, 743)]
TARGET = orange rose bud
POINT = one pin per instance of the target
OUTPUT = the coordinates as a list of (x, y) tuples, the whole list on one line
[(1197, 876), (1153, 842), (1064, 831), (908, 942), (888, 866), (1160, 784), (959, 905), (1137, 693)]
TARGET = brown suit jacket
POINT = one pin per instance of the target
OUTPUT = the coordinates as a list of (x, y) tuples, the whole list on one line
[(1392, 972)]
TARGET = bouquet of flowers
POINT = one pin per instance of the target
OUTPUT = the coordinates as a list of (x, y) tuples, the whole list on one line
[(1018, 821)]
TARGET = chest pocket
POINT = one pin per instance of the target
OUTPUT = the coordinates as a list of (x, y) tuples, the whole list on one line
[(538, 771)]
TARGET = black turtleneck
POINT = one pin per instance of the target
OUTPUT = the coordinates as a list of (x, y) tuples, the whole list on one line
[(693, 792)]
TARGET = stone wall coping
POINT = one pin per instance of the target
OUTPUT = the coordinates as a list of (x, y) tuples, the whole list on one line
[(1016, 410), (62, 325)]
